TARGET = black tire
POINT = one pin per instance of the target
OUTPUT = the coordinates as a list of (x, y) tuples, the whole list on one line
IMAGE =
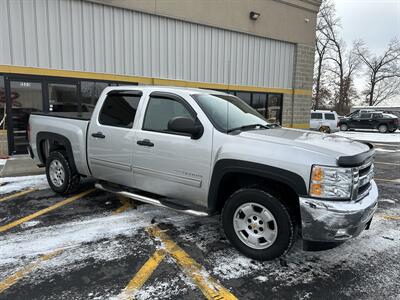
[(284, 223), (71, 177), (383, 128), (344, 127), (324, 129)]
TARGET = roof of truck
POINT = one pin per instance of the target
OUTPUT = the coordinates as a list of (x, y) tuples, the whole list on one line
[(162, 88)]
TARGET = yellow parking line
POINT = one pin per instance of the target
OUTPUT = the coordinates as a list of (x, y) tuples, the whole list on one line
[(17, 195), (126, 204), (142, 275), (210, 288), (396, 218), (43, 211), (17, 276)]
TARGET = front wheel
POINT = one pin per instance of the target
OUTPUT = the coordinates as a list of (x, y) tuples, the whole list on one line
[(258, 224), (344, 127), (60, 176), (324, 129)]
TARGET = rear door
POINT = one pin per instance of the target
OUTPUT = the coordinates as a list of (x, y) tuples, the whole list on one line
[(330, 120), (111, 137), (316, 120), (169, 163)]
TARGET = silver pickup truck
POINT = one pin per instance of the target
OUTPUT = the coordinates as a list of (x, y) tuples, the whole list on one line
[(206, 152)]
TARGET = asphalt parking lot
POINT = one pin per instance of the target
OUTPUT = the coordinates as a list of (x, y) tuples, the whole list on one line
[(95, 245)]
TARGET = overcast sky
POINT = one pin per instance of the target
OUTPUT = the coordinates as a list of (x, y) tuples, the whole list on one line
[(374, 21)]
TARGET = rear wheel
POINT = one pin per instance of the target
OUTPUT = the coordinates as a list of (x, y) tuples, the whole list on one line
[(383, 128), (258, 224), (60, 176), (344, 127)]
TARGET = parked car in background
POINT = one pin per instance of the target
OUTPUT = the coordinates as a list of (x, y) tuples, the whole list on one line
[(324, 120), (367, 119)]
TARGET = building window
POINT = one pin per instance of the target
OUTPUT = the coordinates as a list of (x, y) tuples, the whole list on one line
[(63, 97), (90, 93), (119, 110), (245, 96), (260, 103), (274, 108)]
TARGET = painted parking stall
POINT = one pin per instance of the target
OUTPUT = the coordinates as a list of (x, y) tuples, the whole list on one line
[(100, 246)]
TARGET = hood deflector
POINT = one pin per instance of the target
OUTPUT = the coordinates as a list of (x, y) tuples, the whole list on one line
[(358, 159)]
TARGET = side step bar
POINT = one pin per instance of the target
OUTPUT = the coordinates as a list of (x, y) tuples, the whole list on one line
[(149, 200)]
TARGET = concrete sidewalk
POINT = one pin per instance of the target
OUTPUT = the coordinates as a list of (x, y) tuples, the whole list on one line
[(19, 165)]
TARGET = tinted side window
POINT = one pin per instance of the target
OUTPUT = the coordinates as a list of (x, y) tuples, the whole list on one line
[(160, 111), (119, 110), (377, 116), (317, 116), (329, 117), (365, 115)]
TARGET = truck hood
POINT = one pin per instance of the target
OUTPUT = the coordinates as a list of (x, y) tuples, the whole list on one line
[(327, 144)]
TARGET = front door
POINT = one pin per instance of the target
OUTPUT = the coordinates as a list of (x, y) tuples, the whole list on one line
[(25, 96), (366, 120), (169, 163), (111, 137)]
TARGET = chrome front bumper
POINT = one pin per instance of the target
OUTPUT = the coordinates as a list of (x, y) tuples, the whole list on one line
[(333, 221)]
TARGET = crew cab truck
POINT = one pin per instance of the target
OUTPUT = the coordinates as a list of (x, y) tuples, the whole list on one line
[(365, 119), (206, 152)]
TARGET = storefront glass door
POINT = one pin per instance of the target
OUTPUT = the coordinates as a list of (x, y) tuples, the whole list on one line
[(25, 97)]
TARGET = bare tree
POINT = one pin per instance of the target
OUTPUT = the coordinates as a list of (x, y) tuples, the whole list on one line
[(344, 64), (383, 72), (326, 18)]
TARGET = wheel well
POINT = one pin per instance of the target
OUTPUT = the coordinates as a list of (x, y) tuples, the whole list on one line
[(231, 182), (47, 146)]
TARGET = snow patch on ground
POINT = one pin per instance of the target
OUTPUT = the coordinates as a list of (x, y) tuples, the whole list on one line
[(387, 150), (16, 184), (390, 201), (371, 136), (3, 162), (30, 224)]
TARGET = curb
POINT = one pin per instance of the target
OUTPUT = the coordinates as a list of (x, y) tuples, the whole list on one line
[(20, 166)]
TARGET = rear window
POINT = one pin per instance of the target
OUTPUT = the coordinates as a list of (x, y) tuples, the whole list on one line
[(119, 110), (316, 116), (329, 117)]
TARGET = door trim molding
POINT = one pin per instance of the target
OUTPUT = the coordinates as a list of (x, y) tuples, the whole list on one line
[(168, 176), (110, 164)]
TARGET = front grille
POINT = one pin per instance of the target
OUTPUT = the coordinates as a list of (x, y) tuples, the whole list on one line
[(362, 180)]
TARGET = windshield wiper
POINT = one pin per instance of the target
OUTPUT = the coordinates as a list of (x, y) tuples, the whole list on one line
[(248, 127)]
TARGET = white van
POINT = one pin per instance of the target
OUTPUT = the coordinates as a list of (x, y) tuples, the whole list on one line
[(324, 121)]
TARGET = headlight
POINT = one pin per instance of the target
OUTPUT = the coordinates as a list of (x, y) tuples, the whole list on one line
[(331, 182)]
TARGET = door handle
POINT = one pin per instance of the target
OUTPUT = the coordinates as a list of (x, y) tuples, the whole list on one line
[(145, 142), (99, 135)]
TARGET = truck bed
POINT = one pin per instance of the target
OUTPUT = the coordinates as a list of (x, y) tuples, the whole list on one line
[(84, 116), (71, 126)]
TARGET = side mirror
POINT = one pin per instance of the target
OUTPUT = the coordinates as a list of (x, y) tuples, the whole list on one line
[(186, 125)]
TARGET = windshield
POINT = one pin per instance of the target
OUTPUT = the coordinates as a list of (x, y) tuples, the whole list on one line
[(228, 112)]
